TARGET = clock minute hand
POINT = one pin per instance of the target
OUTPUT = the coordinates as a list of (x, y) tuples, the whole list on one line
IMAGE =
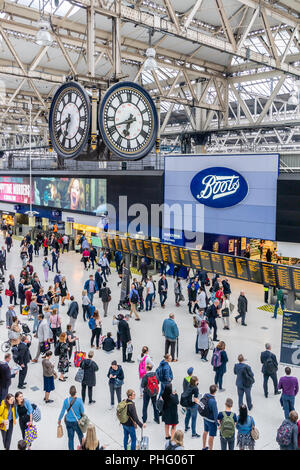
[(68, 120)]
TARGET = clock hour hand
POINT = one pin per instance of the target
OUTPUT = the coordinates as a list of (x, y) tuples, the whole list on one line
[(67, 121)]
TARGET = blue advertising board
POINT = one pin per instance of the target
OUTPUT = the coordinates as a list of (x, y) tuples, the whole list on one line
[(233, 195), (290, 338)]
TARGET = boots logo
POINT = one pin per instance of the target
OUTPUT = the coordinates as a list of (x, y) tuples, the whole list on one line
[(219, 187)]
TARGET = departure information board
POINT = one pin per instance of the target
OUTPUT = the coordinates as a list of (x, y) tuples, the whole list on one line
[(148, 248), (283, 274), (166, 253), (157, 254), (296, 279), (185, 257), (175, 256), (255, 271), (140, 247), (229, 266), (205, 261), (269, 275), (217, 263), (290, 338), (118, 243), (195, 259), (103, 237), (125, 245), (242, 269), (111, 243), (132, 246)]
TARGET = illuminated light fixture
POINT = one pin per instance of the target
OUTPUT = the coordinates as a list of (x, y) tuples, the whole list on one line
[(43, 36), (150, 62)]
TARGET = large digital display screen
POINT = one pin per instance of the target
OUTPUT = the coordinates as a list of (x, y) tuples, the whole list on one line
[(269, 274), (284, 280), (195, 259), (205, 261), (103, 237), (140, 247), (76, 194), (185, 257), (296, 279), (125, 245), (217, 264), (255, 271), (132, 246), (148, 248), (15, 189), (229, 266), (157, 254), (111, 243), (166, 253), (175, 256), (118, 243), (242, 269)]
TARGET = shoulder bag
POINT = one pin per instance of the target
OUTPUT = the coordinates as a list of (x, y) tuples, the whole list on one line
[(254, 431), (83, 422)]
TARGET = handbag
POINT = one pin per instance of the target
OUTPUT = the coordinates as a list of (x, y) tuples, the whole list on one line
[(118, 383), (231, 306), (83, 422), (79, 375), (254, 432), (181, 297), (8, 292), (60, 431), (225, 312), (45, 346), (30, 434)]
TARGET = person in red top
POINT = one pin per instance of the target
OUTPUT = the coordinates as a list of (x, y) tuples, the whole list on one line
[(85, 257), (220, 295), (45, 245), (60, 241), (28, 295)]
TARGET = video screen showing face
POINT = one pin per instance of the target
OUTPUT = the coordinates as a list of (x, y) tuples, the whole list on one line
[(75, 194)]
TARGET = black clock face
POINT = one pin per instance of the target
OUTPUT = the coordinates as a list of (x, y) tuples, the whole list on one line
[(69, 120), (129, 121)]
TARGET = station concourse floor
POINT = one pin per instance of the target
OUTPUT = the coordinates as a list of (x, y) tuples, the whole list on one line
[(249, 341)]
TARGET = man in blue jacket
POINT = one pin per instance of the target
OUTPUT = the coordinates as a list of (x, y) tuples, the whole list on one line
[(91, 288), (74, 409), (210, 422), (171, 333), (164, 372)]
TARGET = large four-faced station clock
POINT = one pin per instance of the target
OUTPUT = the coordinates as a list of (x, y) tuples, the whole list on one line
[(127, 121)]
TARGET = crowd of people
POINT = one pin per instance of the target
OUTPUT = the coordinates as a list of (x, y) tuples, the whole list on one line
[(206, 299)]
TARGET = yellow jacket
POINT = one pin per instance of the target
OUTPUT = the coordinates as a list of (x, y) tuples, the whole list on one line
[(4, 413)]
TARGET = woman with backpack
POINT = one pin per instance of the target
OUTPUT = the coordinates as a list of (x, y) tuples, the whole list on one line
[(244, 426), (203, 332), (55, 324), (177, 442), (170, 410), (218, 361), (46, 268), (95, 325), (143, 360), (116, 380), (71, 340), (23, 412), (105, 297), (61, 350), (287, 434)]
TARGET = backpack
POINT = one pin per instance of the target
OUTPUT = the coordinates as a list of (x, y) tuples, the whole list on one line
[(160, 404), (92, 323), (36, 413), (227, 426), (134, 298), (247, 379), (203, 408), (152, 386), (186, 398), (122, 411), (269, 366), (208, 311), (57, 350), (172, 446), (284, 434), (142, 367), (216, 358)]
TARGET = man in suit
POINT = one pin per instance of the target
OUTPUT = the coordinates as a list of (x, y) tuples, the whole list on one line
[(244, 381), (163, 290), (269, 369), (125, 337), (43, 333), (212, 315), (144, 269), (242, 308), (5, 376), (98, 280), (54, 255), (24, 357), (21, 294)]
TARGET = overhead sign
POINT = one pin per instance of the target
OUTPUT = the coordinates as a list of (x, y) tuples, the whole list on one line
[(290, 338), (219, 187)]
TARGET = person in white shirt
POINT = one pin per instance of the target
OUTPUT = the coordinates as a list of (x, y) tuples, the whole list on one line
[(65, 243), (149, 294), (201, 299), (104, 264)]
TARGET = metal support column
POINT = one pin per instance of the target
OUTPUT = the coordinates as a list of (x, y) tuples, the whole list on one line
[(116, 41), (91, 39)]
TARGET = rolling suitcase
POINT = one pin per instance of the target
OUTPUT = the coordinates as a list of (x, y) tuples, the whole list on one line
[(79, 356), (143, 444)]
